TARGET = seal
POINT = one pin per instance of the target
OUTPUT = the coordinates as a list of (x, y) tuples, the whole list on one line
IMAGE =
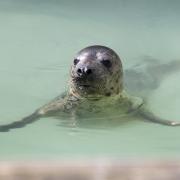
[(96, 87)]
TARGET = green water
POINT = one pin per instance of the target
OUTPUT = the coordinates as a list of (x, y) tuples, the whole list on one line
[(38, 39)]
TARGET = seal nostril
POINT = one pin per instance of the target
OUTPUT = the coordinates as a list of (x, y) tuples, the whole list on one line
[(79, 71), (88, 71), (84, 71)]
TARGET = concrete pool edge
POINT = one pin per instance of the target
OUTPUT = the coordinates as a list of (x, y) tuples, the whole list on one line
[(99, 169)]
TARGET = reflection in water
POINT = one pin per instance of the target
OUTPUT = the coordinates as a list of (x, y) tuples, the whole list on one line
[(108, 122)]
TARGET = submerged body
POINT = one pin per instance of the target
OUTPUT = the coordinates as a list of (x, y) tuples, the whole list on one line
[(120, 104), (96, 90)]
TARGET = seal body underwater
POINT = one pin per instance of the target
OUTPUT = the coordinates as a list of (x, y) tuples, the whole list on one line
[(96, 83)]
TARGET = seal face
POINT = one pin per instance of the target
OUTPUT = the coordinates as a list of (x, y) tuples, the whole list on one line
[(96, 71)]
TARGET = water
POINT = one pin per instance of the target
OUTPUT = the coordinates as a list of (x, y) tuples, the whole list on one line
[(38, 40)]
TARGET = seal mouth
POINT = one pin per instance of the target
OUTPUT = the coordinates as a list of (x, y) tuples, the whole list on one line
[(84, 85)]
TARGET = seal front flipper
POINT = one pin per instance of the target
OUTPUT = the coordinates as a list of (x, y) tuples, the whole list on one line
[(145, 114), (46, 110), (23, 122)]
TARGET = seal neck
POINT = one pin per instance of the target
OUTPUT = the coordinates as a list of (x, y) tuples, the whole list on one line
[(93, 97)]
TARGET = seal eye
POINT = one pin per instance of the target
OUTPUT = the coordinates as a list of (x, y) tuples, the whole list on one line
[(76, 61), (106, 63)]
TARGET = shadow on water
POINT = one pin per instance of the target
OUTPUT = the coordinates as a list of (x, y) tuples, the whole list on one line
[(145, 76)]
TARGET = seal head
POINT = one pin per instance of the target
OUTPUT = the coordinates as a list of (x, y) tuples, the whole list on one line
[(96, 71)]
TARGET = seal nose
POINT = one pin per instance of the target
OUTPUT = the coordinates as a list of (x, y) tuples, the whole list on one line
[(84, 71)]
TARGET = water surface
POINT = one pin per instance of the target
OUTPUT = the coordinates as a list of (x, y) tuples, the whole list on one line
[(38, 42)]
